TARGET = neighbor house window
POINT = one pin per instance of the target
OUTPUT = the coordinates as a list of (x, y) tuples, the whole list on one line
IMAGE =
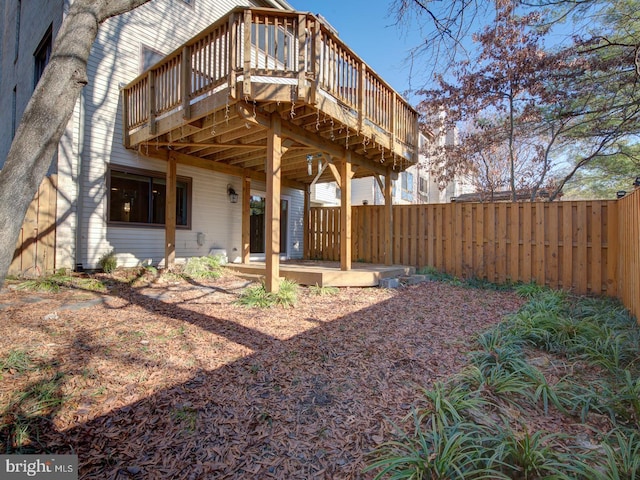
[(138, 197), (18, 15), (14, 110), (41, 56), (406, 192), (423, 185)]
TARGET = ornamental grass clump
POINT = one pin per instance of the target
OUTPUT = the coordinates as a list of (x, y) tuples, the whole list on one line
[(477, 423), (108, 262), (203, 268), (257, 296)]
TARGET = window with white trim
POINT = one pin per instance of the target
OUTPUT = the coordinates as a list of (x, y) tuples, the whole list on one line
[(138, 198), (406, 192)]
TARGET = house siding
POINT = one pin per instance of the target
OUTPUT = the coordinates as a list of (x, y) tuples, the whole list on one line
[(325, 194), (362, 189), (93, 141), (35, 18)]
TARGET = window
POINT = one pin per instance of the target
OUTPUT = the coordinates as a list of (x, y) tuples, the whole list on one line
[(423, 185), (14, 112), (18, 14), (406, 192), (138, 197), (149, 57), (42, 56)]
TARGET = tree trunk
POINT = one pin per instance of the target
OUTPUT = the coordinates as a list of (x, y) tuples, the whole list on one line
[(47, 115), (512, 159)]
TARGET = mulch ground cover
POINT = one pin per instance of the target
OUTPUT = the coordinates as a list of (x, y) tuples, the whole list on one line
[(173, 380)]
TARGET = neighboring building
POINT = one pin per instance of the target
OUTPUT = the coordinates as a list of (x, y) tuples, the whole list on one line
[(114, 198), (415, 185)]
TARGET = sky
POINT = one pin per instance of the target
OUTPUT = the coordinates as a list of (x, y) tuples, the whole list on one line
[(367, 27)]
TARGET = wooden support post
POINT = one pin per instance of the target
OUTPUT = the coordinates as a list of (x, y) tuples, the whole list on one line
[(302, 61), (345, 213), (316, 52), (393, 127), (246, 220), (233, 57), (152, 102), (306, 223), (170, 215), (388, 219), (186, 82), (246, 80), (273, 171), (362, 74)]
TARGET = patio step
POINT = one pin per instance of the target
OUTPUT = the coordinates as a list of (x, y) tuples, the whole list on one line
[(395, 282)]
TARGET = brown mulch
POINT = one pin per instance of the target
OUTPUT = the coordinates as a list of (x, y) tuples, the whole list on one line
[(175, 381)]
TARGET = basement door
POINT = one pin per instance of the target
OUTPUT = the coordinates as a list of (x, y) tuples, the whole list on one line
[(257, 237)]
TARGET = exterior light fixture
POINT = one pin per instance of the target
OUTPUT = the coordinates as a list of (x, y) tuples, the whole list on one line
[(309, 165), (620, 193), (233, 196)]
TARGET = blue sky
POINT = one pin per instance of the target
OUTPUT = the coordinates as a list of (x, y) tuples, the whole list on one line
[(367, 27)]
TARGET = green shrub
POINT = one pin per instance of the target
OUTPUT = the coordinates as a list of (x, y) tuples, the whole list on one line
[(529, 290), (435, 452), (257, 296), (622, 456), (323, 291), (203, 268), (17, 361), (433, 273), (48, 283), (108, 262), (472, 426)]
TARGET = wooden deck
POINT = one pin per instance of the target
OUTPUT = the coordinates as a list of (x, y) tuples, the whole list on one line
[(275, 97), (212, 102), (327, 274)]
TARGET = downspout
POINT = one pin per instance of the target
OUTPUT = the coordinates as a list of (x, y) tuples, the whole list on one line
[(79, 204)]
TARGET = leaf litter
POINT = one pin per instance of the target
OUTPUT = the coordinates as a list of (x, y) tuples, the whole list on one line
[(175, 380)]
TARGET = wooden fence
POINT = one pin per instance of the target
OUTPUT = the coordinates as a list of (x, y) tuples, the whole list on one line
[(629, 246), (36, 246), (565, 245)]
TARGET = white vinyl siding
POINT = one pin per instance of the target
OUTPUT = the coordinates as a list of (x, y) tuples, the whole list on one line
[(325, 194), (94, 140)]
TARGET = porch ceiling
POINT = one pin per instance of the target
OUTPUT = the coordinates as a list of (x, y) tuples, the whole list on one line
[(211, 102)]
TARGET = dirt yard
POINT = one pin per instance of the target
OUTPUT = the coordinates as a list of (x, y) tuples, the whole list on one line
[(176, 381)]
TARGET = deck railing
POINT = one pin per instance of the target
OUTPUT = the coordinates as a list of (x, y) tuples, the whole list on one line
[(277, 44)]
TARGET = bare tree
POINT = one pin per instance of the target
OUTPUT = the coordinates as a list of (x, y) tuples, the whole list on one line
[(48, 113), (502, 99)]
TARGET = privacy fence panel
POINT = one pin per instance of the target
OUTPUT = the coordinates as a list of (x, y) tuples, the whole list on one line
[(565, 245), (35, 250), (629, 231)]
